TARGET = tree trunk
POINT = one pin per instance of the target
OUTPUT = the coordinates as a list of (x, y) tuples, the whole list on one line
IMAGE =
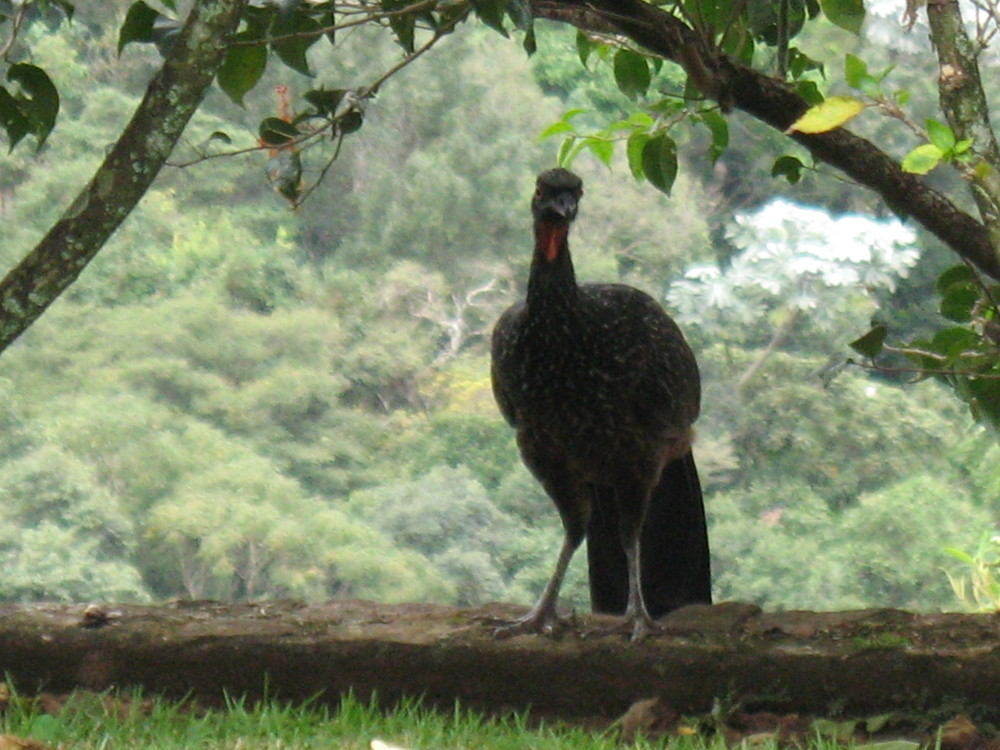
[(171, 99)]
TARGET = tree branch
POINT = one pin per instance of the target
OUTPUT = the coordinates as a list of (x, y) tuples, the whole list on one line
[(963, 102), (127, 172), (775, 103)]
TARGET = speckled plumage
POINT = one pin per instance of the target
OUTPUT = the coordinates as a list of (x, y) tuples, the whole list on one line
[(602, 390)]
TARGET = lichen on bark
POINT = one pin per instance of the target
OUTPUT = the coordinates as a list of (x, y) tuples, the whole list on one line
[(963, 102), (172, 97)]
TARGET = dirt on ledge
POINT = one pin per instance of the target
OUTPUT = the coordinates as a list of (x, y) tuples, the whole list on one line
[(857, 663)]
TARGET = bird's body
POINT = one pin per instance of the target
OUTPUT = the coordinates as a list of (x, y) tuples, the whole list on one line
[(602, 390)]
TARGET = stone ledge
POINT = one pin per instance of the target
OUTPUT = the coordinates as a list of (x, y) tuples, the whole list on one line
[(856, 663)]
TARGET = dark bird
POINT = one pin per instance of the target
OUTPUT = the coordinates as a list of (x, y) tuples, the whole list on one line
[(602, 390)]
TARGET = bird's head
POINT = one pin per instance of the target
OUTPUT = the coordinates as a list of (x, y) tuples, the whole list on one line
[(557, 196), (554, 205)]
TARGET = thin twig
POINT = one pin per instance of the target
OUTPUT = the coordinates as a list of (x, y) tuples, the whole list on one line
[(438, 34), (871, 366), (369, 16), (322, 174), (291, 142), (15, 28)]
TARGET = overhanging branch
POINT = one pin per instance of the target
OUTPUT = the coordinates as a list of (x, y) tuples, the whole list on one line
[(126, 173), (775, 103)]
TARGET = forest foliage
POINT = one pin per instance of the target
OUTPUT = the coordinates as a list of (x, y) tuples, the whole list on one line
[(240, 401)]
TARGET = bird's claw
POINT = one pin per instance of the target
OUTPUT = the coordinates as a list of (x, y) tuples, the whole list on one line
[(543, 623), (637, 627)]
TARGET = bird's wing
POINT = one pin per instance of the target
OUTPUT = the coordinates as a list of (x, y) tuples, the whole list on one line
[(502, 367)]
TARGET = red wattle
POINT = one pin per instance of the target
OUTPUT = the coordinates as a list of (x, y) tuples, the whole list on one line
[(552, 239)]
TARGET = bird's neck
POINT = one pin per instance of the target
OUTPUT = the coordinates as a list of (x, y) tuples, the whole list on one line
[(552, 279)]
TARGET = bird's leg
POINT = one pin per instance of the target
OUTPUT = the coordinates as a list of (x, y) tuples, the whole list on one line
[(542, 617), (632, 504), (636, 614)]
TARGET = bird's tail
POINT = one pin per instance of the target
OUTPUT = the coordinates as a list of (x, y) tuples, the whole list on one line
[(674, 549)]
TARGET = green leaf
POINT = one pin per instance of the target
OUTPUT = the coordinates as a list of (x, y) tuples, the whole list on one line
[(274, 131), (986, 400), (138, 25), (583, 47), (241, 69), (870, 345), (325, 101), (12, 119), (955, 342), (631, 73), (568, 150), (958, 302), (800, 63), (557, 128), (831, 113), (789, 167), (855, 71), (940, 135), (659, 162), (717, 13), (958, 274), (327, 21), (764, 18), (962, 146), (404, 27), (292, 51), (530, 43), (602, 148), (39, 100), (636, 143), (519, 11), (922, 159), (809, 91), (642, 120), (491, 12), (718, 126), (350, 122), (847, 14)]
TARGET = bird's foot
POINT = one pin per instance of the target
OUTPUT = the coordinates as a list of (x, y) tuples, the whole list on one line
[(543, 622), (642, 627), (637, 627)]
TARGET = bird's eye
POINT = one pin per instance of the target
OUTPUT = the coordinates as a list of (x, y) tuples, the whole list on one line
[(538, 193)]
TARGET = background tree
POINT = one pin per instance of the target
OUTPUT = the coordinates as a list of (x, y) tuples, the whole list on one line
[(258, 398)]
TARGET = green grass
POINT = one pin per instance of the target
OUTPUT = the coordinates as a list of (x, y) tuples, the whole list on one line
[(106, 723)]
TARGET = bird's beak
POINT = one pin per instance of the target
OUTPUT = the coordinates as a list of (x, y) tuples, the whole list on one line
[(562, 204)]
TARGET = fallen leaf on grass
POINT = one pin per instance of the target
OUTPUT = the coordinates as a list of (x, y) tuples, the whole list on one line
[(374, 745), (960, 734), (10, 742), (647, 717)]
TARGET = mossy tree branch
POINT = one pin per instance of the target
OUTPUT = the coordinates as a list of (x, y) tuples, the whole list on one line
[(129, 169), (963, 102), (734, 85)]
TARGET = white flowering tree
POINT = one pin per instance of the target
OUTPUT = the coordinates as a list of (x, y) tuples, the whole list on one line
[(799, 270)]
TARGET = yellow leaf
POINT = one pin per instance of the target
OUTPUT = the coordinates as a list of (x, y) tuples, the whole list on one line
[(827, 115)]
